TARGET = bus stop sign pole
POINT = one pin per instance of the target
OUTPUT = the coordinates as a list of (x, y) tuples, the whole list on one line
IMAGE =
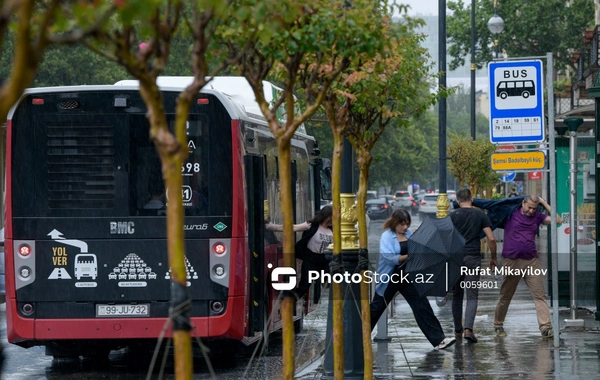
[(573, 123)]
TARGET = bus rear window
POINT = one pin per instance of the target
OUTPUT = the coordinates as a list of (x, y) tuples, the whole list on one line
[(150, 197), (98, 162)]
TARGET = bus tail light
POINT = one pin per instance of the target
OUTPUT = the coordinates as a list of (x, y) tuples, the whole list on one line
[(219, 258), (24, 264), (24, 250), (219, 248)]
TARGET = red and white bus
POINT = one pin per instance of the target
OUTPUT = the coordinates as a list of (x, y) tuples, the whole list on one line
[(86, 255)]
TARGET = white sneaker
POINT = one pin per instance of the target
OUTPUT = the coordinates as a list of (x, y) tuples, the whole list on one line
[(446, 343)]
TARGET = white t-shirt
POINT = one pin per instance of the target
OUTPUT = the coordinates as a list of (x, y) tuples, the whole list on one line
[(320, 240)]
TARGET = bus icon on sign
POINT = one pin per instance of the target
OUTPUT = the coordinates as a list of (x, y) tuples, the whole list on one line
[(523, 88), (86, 266)]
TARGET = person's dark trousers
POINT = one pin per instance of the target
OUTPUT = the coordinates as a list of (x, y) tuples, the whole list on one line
[(426, 319), (311, 261), (465, 282)]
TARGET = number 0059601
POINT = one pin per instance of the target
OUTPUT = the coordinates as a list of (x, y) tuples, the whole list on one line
[(479, 284), (139, 310)]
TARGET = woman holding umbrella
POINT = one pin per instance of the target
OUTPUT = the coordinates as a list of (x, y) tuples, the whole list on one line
[(393, 252)]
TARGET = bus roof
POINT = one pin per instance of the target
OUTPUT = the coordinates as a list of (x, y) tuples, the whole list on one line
[(236, 89)]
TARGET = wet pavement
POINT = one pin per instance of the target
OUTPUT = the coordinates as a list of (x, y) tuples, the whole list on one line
[(522, 354)]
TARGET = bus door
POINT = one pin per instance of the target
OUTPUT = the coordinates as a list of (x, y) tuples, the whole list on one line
[(259, 302)]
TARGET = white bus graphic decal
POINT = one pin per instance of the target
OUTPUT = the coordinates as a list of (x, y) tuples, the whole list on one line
[(86, 266)]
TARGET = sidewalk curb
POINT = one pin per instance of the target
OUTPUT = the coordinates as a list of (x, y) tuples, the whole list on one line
[(311, 365)]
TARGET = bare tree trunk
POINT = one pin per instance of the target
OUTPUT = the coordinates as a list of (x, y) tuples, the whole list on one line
[(363, 238), (289, 260), (172, 155), (338, 297)]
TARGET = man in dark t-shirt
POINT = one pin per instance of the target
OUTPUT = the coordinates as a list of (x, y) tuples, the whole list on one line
[(470, 222)]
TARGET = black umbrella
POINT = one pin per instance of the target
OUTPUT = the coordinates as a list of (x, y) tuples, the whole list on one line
[(435, 255)]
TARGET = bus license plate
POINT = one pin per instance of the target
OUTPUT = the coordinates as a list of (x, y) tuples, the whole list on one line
[(139, 310)]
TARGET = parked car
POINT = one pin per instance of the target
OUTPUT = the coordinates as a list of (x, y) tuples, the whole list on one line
[(389, 198), (428, 206), (378, 208), (402, 199), (371, 194)]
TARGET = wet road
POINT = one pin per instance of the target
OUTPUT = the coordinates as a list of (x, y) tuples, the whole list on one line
[(21, 363)]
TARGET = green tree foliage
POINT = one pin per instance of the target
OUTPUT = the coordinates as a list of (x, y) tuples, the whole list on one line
[(76, 65), (28, 28), (458, 118), (71, 65), (469, 162), (407, 155), (401, 156), (531, 28)]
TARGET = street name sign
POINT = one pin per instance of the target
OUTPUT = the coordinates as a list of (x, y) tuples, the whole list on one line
[(518, 161), (516, 102), (507, 176)]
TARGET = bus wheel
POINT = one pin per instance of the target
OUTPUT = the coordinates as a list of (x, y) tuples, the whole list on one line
[(525, 94), (99, 354), (503, 95), (61, 352)]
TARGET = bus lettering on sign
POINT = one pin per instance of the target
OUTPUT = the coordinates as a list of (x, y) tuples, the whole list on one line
[(122, 228), (59, 256)]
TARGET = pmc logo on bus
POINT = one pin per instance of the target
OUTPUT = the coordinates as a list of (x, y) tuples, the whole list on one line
[(288, 278)]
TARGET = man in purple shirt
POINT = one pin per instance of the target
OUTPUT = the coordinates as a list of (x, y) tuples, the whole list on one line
[(520, 260)]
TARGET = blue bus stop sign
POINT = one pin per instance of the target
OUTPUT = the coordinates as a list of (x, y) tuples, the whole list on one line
[(508, 177), (516, 102)]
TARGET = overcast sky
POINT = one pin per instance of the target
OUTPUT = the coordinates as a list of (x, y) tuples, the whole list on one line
[(424, 7)]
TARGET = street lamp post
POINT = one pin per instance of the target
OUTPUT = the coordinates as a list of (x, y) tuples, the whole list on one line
[(346, 263), (496, 25), (473, 68), (442, 203)]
